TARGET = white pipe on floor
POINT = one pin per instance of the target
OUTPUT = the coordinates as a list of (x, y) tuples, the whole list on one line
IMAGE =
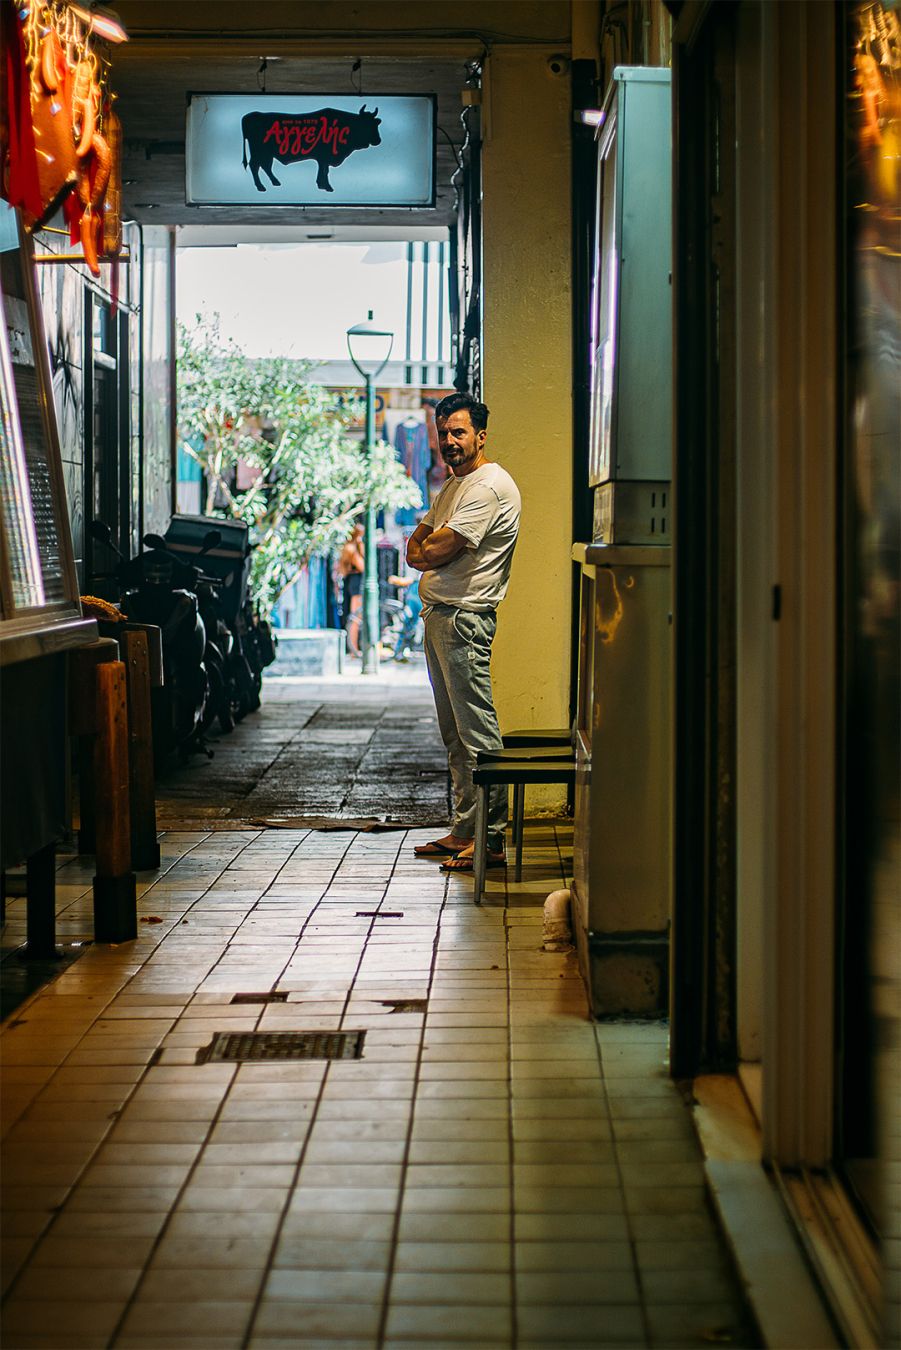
[(557, 933)]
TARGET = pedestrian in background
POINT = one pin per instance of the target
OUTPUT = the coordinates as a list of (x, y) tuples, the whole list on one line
[(410, 618), (350, 569)]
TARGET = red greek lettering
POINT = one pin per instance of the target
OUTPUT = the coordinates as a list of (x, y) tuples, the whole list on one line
[(299, 136)]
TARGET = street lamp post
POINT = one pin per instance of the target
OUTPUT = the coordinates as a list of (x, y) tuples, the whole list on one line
[(370, 347)]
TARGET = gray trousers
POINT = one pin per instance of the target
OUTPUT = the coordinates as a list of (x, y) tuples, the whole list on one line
[(458, 655)]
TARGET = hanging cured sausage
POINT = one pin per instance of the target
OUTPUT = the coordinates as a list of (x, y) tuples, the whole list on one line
[(59, 130), (93, 180), (112, 205)]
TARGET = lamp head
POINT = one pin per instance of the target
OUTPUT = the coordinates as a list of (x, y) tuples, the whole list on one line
[(103, 22), (369, 346)]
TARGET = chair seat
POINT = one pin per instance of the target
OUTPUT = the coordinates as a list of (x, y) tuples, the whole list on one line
[(525, 771), (532, 753)]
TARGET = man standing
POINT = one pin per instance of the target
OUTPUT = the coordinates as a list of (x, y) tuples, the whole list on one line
[(464, 548)]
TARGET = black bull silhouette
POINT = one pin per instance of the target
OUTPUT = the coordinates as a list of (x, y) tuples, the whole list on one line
[(327, 136)]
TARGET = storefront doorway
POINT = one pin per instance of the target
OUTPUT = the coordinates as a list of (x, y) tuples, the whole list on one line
[(107, 485)]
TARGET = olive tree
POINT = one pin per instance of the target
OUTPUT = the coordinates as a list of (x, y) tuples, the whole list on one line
[(305, 478)]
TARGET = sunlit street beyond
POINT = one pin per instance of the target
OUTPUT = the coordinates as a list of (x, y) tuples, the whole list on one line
[(351, 748)]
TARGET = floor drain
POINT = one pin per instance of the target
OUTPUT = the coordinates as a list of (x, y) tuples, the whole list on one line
[(379, 914), (274, 996), (249, 1046), (405, 1005)]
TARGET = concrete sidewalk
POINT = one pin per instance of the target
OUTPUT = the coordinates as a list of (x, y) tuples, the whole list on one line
[(350, 747)]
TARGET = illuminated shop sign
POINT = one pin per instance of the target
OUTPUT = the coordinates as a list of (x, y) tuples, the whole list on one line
[(310, 150)]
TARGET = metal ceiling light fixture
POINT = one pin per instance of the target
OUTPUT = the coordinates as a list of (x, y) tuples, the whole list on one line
[(104, 23), (265, 63)]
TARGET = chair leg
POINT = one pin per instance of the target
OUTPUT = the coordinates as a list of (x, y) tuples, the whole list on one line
[(40, 912), (480, 844), (518, 790)]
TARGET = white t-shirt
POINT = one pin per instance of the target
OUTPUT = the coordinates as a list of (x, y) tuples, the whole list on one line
[(484, 506)]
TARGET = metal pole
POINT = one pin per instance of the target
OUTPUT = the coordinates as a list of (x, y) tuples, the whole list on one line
[(424, 369), (370, 635), (409, 344), (442, 263)]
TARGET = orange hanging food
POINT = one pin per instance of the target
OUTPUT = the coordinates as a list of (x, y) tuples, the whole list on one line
[(112, 206), (104, 162), (50, 112), (85, 98), (93, 179), (54, 151), (94, 172), (88, 232), (51, 56), (83, 81), (88, 124)]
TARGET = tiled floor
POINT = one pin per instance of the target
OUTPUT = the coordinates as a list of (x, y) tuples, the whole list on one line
[(494, 1171)]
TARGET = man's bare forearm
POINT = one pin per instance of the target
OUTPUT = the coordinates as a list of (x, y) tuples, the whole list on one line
[(415, 555), (429, 549), (423, 564)]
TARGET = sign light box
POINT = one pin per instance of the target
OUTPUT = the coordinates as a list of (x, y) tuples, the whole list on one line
[(310, 150)]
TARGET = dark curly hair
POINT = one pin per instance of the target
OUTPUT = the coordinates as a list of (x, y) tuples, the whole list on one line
[(478, 413)]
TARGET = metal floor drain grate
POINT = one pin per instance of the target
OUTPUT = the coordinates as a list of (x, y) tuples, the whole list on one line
[(267, 1045), (379, 914), (405, 1005), (274, 996)]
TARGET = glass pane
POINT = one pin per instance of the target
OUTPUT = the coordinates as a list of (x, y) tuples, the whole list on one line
[(20, 545), (604, 322), (31, 422), (27, 394)]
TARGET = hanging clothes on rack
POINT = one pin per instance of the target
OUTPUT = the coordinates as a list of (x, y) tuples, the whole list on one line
[(305, 604), (411, 446)]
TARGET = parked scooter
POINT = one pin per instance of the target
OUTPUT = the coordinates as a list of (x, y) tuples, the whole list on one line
[(218, 657), (259, 645), (237, 631), (159, 588)]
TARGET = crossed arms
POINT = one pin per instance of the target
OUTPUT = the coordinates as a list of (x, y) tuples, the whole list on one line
[(428, 548)]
